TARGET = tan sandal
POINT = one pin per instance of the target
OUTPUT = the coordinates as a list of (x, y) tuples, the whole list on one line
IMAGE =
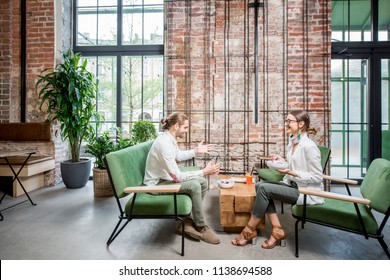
[(247, 234), (279, 239)]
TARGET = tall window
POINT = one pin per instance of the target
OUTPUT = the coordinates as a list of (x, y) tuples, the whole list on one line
[(123, 43), (349, 117), (360, 85)]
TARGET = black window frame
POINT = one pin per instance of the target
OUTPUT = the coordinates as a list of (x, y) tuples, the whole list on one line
[(117, 51), (374, 51)]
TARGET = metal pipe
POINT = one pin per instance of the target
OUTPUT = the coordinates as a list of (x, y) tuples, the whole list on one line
[(23, 61), (256, 97)]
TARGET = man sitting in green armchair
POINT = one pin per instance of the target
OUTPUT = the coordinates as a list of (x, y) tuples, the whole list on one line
[(162, 168)]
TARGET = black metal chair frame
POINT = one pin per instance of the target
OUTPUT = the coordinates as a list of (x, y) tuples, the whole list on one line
[(122, 216), (379, 235)]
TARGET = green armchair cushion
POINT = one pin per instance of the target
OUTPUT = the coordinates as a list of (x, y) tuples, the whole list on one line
[(159, 204), (338, 213), (127, 166), (376, 185), (270, 175)]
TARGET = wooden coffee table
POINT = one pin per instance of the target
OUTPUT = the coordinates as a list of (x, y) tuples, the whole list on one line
[(235, 204)]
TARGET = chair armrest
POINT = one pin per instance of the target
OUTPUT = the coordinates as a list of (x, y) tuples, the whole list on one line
[(336, 196), (340, 180), (153, 189)]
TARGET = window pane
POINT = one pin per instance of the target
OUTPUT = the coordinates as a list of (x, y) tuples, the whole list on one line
[(132, 25), (337, 145), (87, 27), (151, 2), (355, 102), (354, 145), (357, 27), (354, 67), (143, 24), (141, 89), (97, 25), (385, 69), (154, 25), (107, 2), (104, 69), (86, 3), (132, 2), (107, 26), (153, 88), (337, 102), (349, 94), (337, 68), (131, 89), (384, 20)]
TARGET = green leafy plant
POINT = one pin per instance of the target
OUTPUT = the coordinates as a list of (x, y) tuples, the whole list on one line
[(122, 142), (143, 131), (100, 146), (70, 91)]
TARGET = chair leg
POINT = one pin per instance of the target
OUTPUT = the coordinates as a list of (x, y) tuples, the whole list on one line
[(296, 239), (114, 234), (182, 236), (384, 246)]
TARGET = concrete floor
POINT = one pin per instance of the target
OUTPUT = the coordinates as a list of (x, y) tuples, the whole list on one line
[(72, 224)]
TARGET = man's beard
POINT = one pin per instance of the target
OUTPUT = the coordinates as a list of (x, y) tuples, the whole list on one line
[(182, 135)]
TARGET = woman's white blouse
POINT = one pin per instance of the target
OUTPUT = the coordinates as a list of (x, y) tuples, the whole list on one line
[(306, 163)]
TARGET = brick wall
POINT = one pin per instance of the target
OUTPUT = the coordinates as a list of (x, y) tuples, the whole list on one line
[(40, 49), (6, 19), (210, 58), (210, 69)]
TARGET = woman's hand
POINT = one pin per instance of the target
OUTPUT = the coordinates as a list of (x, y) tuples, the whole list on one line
[(204, 149), (287, 172)]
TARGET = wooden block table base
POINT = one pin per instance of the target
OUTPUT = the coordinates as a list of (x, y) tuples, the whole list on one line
[(235, 205)]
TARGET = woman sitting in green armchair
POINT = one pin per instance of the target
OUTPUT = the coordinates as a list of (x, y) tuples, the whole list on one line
[(304, 171)]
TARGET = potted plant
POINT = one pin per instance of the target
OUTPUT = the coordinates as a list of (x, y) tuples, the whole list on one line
[(122, 141), (143, 131), (69, 90), (99, 146)]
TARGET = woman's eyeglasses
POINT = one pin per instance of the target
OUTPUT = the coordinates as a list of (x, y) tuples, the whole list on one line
[(288, 121)]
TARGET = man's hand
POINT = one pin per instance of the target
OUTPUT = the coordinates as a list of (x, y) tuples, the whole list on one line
[(204, 149), (211, 168)]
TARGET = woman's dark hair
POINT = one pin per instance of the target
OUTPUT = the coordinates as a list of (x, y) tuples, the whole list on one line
[(302, 115), (173, 119)]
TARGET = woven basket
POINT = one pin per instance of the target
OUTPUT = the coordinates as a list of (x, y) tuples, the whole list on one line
[(101, 183)]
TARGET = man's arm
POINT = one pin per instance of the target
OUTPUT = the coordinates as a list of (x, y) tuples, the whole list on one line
[(188, 154)]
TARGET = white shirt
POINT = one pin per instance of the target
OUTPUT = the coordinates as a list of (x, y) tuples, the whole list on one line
[(306, 163), (161, 163)]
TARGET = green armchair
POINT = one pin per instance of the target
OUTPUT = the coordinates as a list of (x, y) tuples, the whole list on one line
[(350, 213), (126, 169)]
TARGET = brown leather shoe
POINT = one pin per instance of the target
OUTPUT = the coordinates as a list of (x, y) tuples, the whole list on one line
[(208, 235), (189, 229)]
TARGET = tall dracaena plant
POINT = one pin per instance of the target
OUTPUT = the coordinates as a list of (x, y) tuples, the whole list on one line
[(70, 92)]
